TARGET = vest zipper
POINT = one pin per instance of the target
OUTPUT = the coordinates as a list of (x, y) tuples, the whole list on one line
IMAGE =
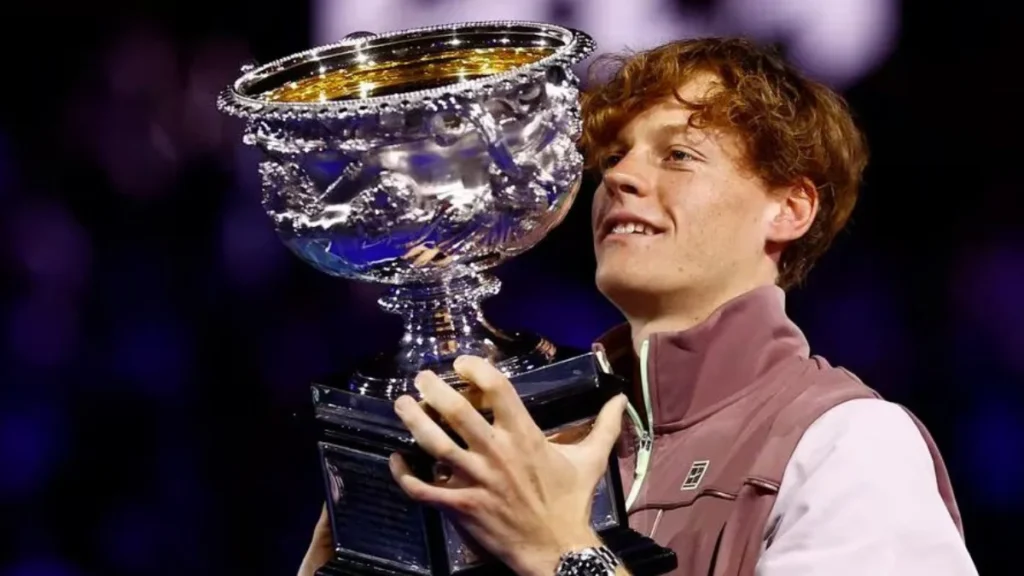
[(645, 434)]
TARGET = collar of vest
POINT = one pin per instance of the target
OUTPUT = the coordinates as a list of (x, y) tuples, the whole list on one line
[(696, 372)]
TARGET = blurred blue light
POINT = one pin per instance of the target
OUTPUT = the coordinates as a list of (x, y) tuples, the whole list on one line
[(870, 328), (994, 442), (152, 353), (250, 248), (988, 300), (29, 447), (41, 567), (566, 313), (855, 322)]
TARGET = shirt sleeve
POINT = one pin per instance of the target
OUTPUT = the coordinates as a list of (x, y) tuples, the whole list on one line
[(859, 496)]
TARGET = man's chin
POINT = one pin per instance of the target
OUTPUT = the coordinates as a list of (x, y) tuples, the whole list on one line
[(618, 283)]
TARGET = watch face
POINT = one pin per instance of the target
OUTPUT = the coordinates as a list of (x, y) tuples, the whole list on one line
[(586, 566), (593, 566)]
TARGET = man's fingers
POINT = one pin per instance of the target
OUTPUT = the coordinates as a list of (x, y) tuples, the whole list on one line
[(322, 531), (321, 547), (418, 489), (607, 427), (499, 394), (456, 410), (431, 437)]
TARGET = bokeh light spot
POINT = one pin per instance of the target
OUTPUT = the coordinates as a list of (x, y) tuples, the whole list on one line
[(41, 567), (994, 443), (30, 441), (152, 354)]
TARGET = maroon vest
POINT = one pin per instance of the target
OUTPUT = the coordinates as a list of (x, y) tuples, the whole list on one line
[(730, 400)]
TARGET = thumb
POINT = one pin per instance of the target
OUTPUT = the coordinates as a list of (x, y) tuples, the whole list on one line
[(321, 548), (607, 427)]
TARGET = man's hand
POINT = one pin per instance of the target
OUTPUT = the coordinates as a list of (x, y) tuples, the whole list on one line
[(321, 548), (523, 498)]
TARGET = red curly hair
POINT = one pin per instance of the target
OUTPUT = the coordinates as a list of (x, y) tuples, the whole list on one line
[(791, 126)]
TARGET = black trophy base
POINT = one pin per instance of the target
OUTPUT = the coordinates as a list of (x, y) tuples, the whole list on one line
[(378, 530), (641, 555)]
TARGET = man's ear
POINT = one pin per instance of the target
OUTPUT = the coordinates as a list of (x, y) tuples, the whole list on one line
[(797, 208)]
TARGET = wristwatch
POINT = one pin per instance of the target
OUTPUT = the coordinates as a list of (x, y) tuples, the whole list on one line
[(594, 561)]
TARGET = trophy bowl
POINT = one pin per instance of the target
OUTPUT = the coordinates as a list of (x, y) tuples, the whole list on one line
[(419, 159)]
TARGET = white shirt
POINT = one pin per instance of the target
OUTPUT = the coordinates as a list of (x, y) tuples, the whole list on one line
[(859, 497)]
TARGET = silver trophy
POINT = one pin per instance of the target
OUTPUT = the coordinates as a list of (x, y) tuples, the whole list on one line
[(419, 159)]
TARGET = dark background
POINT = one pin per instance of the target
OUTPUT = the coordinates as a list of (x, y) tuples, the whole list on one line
[(158, 339)]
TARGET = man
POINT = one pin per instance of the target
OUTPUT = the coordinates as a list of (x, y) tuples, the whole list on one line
[(725, 175)]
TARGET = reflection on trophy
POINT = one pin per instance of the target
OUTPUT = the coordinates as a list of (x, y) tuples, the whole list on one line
[(420, 159)]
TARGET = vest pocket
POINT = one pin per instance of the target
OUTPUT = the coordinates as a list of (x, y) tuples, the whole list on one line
[(697, 550), (692, 528)]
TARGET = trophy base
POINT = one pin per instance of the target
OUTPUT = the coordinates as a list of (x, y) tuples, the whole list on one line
[(379, 530), (641, 555)]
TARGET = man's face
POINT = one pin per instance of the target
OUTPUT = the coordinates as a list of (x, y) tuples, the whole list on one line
[(677, 214)]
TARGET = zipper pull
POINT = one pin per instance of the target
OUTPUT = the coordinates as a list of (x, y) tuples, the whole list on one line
[(643, 455), (646, 442), (645, 447)]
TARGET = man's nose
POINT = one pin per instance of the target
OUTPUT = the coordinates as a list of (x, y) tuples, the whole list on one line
[(626, 178)]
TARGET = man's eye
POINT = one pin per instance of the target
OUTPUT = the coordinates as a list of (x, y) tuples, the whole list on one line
[(679, 155), (610, 160)]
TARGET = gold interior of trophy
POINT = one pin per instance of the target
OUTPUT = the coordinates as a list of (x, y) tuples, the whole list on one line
[(369, 77)]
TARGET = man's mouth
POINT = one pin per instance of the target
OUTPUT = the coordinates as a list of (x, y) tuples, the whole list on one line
[(624, 225), (632, 228)]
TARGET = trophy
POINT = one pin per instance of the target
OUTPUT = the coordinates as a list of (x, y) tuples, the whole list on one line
[(420, 159)]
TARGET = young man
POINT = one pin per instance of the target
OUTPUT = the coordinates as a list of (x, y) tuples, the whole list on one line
[(726, 174)]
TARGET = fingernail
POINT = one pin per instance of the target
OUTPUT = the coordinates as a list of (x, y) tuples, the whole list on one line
[(399, 403), (459, 362)]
